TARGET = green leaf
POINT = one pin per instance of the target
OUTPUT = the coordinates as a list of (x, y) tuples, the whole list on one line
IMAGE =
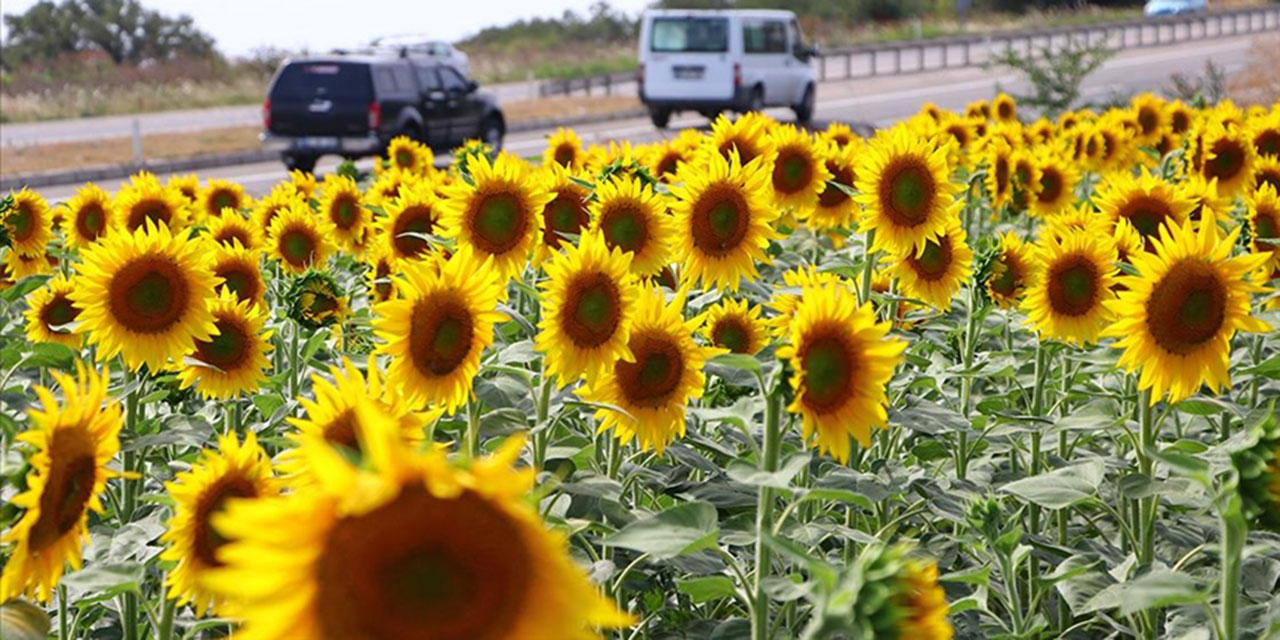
[(1204, 407), (839, 495), (268, 403), (23, 287), (50, 355), (708, 588), (1059, 488), (746, 473), (980, 576), (1158, 590), (104, 581), (679, 530)]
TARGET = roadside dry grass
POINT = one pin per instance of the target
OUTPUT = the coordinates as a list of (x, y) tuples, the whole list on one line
[(54, 157), (1259, 81)]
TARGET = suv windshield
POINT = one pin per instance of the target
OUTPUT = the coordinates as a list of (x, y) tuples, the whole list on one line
[(692, 35), (323, 79)]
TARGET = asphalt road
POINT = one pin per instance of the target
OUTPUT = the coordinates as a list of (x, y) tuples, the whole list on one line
[(877, 101)]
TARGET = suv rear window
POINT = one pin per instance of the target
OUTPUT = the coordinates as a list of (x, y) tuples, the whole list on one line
[(689, 35), (328, 79)]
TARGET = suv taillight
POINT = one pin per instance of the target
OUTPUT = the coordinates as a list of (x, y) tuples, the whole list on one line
[(266, 113), (737, 75), (375, 116)]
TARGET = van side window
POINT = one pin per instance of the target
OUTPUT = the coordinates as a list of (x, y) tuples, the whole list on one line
[(797, 40), (764, 36)]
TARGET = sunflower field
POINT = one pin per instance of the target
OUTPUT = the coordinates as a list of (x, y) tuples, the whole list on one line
[(971, 376)]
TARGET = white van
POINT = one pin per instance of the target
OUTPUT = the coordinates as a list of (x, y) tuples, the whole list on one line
[(713, 61)]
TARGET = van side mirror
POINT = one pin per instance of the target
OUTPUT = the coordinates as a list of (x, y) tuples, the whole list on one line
[(815, 51)]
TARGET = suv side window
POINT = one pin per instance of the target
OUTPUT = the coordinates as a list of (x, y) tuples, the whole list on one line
[(452, 81), (764, 36), (404, 78), (384, 81), (428, 80)]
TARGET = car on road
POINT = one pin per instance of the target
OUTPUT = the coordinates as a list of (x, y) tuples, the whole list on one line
[(711, 61), (353, 105), (1174, 7)]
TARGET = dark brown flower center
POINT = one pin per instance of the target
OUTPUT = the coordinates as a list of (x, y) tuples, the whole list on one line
[(414, 219), (1187, 307), (592, 309), (1074, 284), (58, 311), (829, 363), (720, 220), (440, 335), (731, 332), (157, 211), (792, 171), (241, 278), (68, 486), (907, 191), (498, 222), (212, 502), (934, 262), (148, 295), (655, 374), (228, 350), (566, 214), (625, 226), (91, 221)]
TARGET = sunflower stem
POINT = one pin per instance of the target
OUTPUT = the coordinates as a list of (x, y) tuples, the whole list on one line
[(64, 622), (129, 616), (473, 429), (164, 630), (1146, 507), (966, 382), (764, 515), (868, 267), (541, 435), (1037, 410), (294, 356), (1234, 529)]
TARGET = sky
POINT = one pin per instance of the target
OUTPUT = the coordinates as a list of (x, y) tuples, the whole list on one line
[(240, 26)]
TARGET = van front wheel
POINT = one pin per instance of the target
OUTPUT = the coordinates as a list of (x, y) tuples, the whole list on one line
[(804, 110), (661, 116)]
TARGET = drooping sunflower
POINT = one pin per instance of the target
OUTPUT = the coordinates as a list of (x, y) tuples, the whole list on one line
[(144, 199), (74, 441), (187, 184), (413, 547), (240, 271), (1264, 222), (316, 301), (748, 135), (230, 227), (88, 216), (1146, 201), (299, 239), (568, 212), (234, 361), (842, 359), (497, 213), (220, 194), (1056, 187), (936, 271), (410, 155), (589, 299), (436, 332), (836, 208), (1010, 271), (415, 213), (735, 325), (333, 418), (564, 148), (922, 602), (633, 217), (50, 313), (28, 224), (381, 265), (304, 181), (341, 203), (234, 471), (652, 388), (145, 295), (723, 219), (999, 159), (1227, 155), (799, 173), (905, 189), (896, 595), (1073, 274), (1258, 464), (1177, 315)]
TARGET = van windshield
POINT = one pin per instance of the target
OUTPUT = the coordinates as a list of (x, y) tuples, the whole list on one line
[(690, 35), (307, 80)]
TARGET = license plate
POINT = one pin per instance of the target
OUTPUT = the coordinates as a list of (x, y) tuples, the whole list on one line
[(317, 142), (688, 73)]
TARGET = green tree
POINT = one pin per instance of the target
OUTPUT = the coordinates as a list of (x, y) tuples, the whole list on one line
[(123, 29)]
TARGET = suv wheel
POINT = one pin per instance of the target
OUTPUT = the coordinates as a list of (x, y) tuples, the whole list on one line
[(756, 101), (660, 116), (492, 131), (300, 161), (804, 110)]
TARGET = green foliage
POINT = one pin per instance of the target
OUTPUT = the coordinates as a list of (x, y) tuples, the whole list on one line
[(123, 29), (1054, 75)]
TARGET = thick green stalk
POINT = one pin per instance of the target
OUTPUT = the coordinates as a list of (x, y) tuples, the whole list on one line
[(64, 623), (1037, 410), (966, 382), (1234, 529), (868, 268), (473, 429), (164, 631), (1146, 420), (294, 356), (764, 515), (541, 437), (129, 616), (133, 417)]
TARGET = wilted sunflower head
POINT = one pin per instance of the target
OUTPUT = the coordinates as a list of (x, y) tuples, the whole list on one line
[(316, 301)]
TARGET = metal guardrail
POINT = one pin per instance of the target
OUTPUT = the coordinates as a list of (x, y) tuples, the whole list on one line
[(916, 56)]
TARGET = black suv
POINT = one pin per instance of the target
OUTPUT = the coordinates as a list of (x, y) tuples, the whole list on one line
[(353, 105)]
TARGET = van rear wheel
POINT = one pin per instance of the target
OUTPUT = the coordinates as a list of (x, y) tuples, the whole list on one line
[(660, 116)]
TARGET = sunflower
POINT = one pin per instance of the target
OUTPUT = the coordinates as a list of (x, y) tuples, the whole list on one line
[(799, 173), (1228, 156), (1176, 319), (232, 362), (299, 239), (1266, 171), (840, 134), (633, 217), (437, 331), (1128, 241), (50, 312), (665, 373), (978, 109), (842, 359), (666, 158), (414, 546), (1010, 270), (1146, 201), (1152, 118), (905, 190), (786, 300), (589, 299), (1056, 187), (230, 227), (835, 207), (497, 213), (567, 214), (410, 155), (240, 271), (340, 202), (187, 184), (936, 271), (281, 197), (304, 182), (234, 471), (333, 418), (921, 602), (74, 441), (1072, 278), (88, 216), (21, 265), (748, 135), (724, 221), (999, 178), (381, 263), (316, 301), (1181, 117), (1204, 196), (1264, 222), (1265, 133), (144, 199), (28, 224), (415, 213), (218, 195), (145, 295), (564, 148), (735, 325)]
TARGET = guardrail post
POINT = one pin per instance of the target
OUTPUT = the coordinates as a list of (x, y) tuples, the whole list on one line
[(137, 142), (897, 60), (873, 62), (848, 65)]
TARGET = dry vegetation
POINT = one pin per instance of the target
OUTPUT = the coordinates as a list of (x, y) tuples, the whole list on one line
[(1259, 81)]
